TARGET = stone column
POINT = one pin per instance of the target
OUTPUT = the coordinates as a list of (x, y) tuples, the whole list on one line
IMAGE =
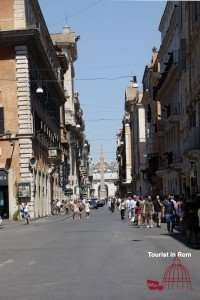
[(128, 153), (25, 123)]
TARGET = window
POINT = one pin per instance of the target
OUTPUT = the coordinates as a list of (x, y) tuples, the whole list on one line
[(2, 129)]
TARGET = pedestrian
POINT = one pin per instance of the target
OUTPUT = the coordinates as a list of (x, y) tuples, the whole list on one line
[(80, 206), (142, 202), (138, 213), (87, 209), (179, 212), (157, 210), (109, 204), (66, 207), (76, 211), (122, 208), (131, 204), (58, 207), (26, 214), (112, 205), (149, 211), (118, 202), (169, 211)]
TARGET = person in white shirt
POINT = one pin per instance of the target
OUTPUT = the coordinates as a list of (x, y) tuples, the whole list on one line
[(131, 204), (58, 206), (87, 209)]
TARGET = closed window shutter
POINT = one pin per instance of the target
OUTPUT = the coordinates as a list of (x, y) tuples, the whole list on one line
[(1, 120)]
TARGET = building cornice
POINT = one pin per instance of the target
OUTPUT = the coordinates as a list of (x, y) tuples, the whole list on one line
[(31, 37)]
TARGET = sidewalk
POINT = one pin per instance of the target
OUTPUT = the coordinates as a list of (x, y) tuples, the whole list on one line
[(10, 223)]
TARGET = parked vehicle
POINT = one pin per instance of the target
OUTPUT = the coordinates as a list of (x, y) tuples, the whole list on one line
[(101, 202), (93, 203)]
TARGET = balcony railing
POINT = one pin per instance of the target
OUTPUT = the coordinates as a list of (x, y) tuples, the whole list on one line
[(192, 142), (174, 114), (172, 63), (170, 159)]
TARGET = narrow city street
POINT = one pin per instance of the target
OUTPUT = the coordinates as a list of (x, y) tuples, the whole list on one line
[(97, 258)]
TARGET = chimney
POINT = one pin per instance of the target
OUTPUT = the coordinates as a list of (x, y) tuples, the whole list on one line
[(66, 29)]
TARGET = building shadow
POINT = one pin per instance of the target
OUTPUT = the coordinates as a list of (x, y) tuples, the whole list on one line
[(181, 237)]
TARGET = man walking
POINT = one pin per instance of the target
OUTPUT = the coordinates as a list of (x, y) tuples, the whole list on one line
[(169, 214), (131, 204), (157, 210)]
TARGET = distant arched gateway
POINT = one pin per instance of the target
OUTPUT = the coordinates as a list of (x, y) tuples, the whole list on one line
[(110, 178)]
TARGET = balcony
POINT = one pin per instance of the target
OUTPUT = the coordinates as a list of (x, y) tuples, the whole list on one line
[(170, 160), (192, 143), (174, 115), (171, 66)]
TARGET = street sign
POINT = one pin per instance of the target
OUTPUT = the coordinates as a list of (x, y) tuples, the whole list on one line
[(24, 190)]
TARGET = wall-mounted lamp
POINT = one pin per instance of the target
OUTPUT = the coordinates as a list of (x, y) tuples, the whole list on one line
[(39, 90)]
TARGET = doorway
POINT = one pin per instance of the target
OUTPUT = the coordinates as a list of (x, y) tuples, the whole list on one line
[(4, 202)]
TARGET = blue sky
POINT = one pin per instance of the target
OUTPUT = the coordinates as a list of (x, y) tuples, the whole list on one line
[(116, 38)]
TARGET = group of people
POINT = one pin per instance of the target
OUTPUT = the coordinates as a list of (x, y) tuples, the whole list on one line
[(58, 207), (151, 211), (78, 207)]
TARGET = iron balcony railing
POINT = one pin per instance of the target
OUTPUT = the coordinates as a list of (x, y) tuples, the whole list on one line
[(192, 141)]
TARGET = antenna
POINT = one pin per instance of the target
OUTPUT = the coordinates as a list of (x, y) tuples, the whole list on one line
[(66, 20)]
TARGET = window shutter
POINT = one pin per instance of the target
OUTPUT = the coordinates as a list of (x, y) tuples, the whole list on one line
[(2, 121)]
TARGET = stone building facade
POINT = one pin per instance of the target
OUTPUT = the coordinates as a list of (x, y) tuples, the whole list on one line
[(175, 158), (34, 143), (131, 143)]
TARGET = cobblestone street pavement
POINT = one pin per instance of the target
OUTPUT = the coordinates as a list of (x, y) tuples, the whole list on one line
[(96, 258)]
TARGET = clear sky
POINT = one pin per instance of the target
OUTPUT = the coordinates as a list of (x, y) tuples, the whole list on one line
[(116, 38)]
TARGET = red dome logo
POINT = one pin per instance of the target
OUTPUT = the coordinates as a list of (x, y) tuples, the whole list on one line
[(175, 276)]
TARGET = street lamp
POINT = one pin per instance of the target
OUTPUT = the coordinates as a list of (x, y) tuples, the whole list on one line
[(39, 90)]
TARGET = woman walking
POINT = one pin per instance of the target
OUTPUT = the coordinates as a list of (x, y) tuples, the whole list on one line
[(76, 211), (149, 211), (138, 213)]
